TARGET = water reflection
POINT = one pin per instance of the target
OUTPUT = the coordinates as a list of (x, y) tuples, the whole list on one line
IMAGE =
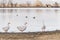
[(18, 10), (33, 18), (26, 10)]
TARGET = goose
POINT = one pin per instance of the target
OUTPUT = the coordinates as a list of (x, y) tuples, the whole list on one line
[(44, 27), (6, 28), (21, 28)]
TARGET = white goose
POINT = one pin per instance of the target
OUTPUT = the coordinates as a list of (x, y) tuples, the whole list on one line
[(6, 28), (44, 27), (21, 28)]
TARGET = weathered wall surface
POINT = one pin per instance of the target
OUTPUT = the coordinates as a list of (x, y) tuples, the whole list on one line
[(31, 36)]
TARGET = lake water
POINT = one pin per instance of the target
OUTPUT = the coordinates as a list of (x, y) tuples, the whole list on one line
[(35, 19)]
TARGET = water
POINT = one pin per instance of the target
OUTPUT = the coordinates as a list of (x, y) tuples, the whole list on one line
[(35, 19)]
